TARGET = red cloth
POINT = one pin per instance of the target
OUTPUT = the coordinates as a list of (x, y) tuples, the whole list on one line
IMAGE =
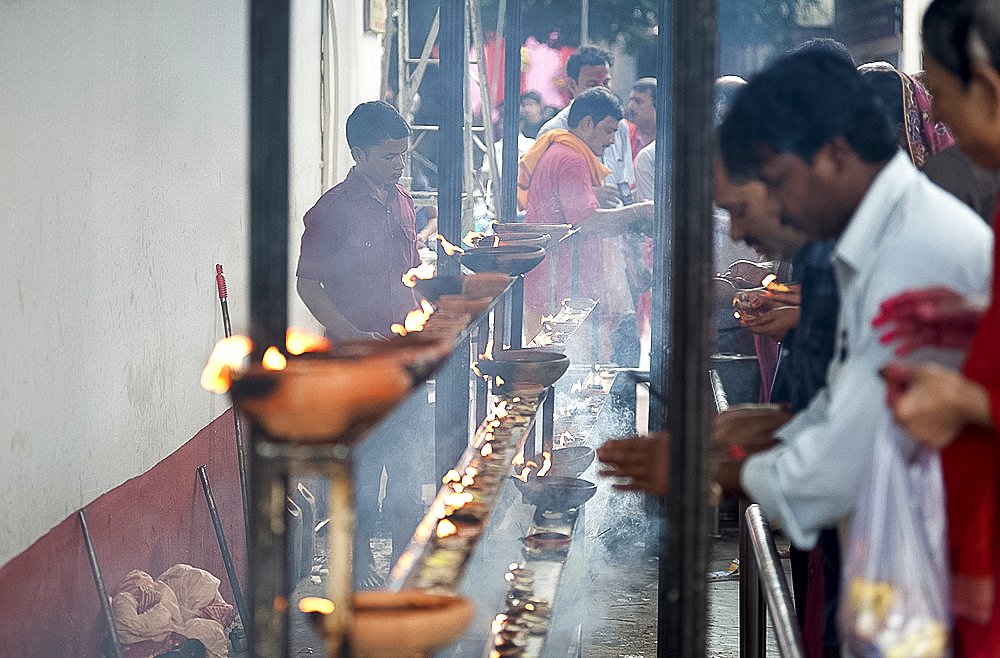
[(971, 467), (354, 243), (561, 192)]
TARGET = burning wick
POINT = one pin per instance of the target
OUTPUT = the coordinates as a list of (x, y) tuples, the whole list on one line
[(299, 342), (422, 271), (226, 358), (486, 450), (768, 280), (316, 604), (445, 528), (451, 476), (509, 577), (415, 319), (274, 360), (448, 247), (546, 464)]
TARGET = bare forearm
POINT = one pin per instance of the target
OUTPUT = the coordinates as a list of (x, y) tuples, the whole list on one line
[(324, 310), (612, 221)]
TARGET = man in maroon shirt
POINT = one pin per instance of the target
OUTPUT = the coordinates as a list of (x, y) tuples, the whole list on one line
[(556, 184), (359, 240), (360, 237)]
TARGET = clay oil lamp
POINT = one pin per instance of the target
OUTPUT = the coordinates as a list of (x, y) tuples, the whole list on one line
[(512, 260), (525, 368), (403, 624), (555, 494), (566, 462)]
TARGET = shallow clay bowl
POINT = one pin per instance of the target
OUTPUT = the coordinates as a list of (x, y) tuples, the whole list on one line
[(510, 260), (519, 239), (555, 231), (432, 289), (568, 462), (485, 284), (408, 623), (556, 494), (474, 306), (547, 541), (321, 400), (527, 366)]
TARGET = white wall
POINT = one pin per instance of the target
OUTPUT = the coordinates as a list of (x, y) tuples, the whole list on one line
[(913, 14), (124, 158)]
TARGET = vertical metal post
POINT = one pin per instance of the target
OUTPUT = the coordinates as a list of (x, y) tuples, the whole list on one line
[(269, 38), (682, 592), (513, 37), (269, 58), (451, 409), (753, 622)]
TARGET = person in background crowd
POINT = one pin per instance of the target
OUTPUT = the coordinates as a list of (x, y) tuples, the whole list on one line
[(641, 113), (556, 184), (361, 234), (587, 68), (533, 113), (944, 408)]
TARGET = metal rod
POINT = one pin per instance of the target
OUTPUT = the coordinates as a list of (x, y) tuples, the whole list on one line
[(340, 584), (753, 622), (774, 585), (241, 457), (513, 37), (95, 570), (220, 535), (454, 62), (691, 27)]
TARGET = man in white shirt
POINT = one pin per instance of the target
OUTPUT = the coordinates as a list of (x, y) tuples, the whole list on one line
[(589, 67), (809, 128)]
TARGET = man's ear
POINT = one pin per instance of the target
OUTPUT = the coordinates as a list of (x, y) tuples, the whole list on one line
[(834, 157), (573, 86), (586, 125), (984, 88), (356, 153)]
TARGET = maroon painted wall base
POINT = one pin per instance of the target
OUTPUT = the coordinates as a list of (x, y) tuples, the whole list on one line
[(48, 600)]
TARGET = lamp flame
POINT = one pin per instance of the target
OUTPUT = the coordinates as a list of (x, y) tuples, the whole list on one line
[(227, 357), (768, 280), (274, 359), (546, 464), (422, 271), (445, 528), (299, 342), (448, 247), (316, 604)]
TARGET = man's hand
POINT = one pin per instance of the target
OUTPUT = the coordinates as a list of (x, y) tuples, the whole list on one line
[(748, 428), (608, 196), (933, 404), (644, 461), (931, 317)]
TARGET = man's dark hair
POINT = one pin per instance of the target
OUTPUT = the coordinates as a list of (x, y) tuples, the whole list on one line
[(646, 86), (797, 105), (825, 44), (532, 96), (587, 56), (597, 103), (953, 30), (372, 122)]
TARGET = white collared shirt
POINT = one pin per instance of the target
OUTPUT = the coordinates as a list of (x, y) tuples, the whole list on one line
[(906, 233)]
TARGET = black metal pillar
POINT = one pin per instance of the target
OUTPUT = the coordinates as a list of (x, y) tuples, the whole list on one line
[(513, 37), (269, 57), (451, 408), (682, 592)]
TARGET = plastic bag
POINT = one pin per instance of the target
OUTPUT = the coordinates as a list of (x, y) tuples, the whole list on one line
[(895, 597)]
